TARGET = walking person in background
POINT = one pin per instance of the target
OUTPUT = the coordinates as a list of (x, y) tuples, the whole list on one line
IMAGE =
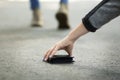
[(104, 12), (61, 15)]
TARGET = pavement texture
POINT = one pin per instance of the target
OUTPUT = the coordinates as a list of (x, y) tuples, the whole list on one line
[(97, 55)]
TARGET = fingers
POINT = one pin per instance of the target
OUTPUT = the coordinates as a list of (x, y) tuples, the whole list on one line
[(63, 45), (46, 55), (50, 53)]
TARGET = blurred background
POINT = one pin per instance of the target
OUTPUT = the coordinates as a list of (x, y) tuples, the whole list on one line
[(22, 47)]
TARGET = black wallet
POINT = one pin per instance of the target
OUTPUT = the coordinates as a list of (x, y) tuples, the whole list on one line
[(60, 59)]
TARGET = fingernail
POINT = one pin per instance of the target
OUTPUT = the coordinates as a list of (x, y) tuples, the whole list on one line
[(45, 59), (50, 56)]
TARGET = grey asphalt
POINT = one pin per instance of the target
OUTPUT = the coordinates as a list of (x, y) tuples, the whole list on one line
[(96, 55)]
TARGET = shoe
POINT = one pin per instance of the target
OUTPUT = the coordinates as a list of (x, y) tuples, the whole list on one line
[(62, 17), (37, 18)]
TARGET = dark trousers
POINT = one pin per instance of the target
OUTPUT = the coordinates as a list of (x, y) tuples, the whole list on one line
[(35, 4)]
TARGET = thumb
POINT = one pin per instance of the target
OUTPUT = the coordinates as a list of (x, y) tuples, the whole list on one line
[(69, 50)]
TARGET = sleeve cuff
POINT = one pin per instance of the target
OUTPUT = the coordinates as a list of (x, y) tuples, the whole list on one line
[(88, 25)]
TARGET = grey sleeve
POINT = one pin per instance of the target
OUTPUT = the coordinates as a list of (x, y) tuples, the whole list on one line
[(104, 12)]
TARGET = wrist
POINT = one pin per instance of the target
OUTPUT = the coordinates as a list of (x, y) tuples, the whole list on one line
[(70, 39)]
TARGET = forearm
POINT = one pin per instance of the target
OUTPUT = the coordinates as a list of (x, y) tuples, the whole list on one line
[(77, 32), (96, 18)]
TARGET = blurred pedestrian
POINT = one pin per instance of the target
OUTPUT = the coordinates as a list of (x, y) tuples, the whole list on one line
[(61, 15)]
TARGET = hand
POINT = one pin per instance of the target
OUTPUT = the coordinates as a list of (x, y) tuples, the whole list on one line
[(67, 43), (64, 44)]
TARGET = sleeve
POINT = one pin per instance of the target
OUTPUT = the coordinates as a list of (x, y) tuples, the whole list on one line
[(104, 12)]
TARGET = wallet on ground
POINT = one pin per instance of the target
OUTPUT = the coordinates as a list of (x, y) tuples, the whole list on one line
[(60, 59)]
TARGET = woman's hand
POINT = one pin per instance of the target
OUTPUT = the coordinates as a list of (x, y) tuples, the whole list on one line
[(67, 43), (64, 44)]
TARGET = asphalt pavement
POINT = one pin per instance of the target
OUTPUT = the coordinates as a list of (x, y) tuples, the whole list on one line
[(96, 55)]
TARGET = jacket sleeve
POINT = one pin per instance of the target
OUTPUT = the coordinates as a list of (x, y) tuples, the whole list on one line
[(104, 12)]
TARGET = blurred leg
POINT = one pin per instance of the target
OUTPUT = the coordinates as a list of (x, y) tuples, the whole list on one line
[(64, 1), (35, 4), (35, 7), (62, 15)]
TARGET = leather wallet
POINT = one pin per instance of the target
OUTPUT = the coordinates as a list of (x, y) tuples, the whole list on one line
[(60, 59)]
